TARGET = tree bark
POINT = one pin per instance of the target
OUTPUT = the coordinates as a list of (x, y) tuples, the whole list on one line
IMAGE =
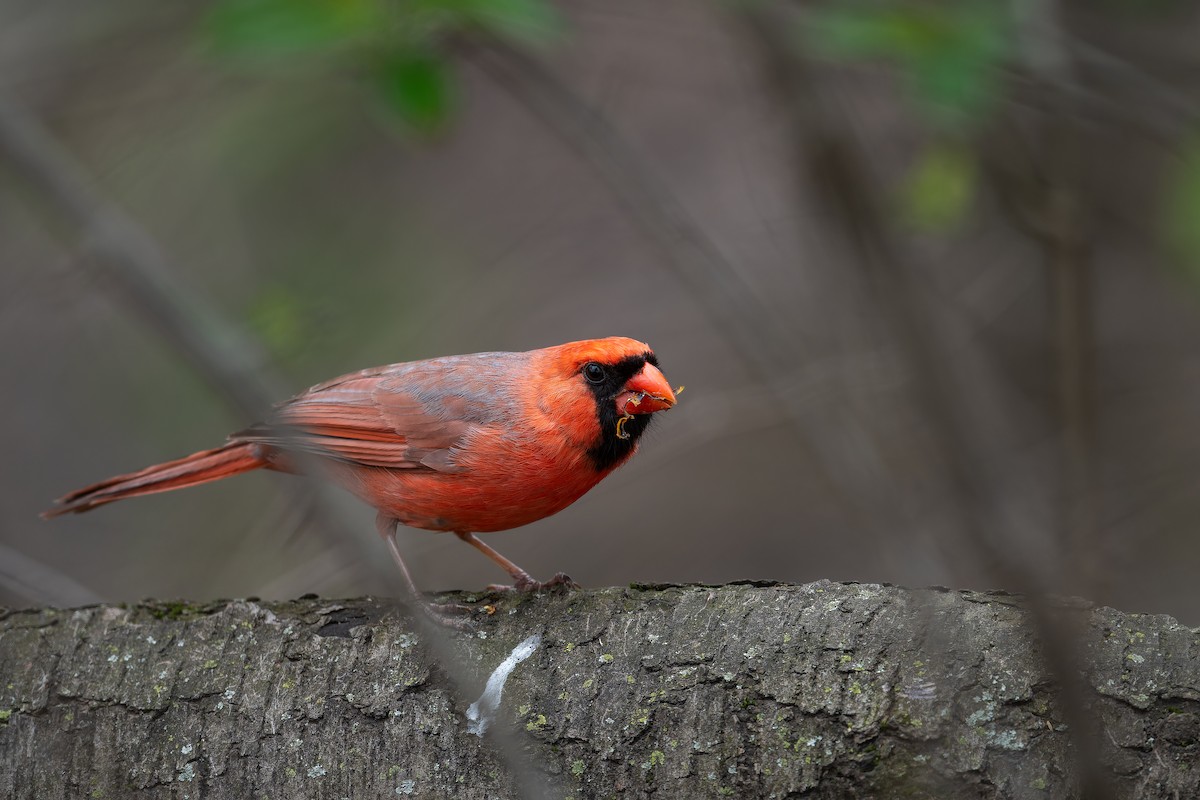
[(824, 690)]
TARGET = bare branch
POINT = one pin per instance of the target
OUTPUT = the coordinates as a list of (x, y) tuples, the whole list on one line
[(858, 472), (834, 163), (230, 360), (40, 583), (824, 691)]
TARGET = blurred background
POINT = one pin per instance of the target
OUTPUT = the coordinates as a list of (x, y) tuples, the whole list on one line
[(930, 272)]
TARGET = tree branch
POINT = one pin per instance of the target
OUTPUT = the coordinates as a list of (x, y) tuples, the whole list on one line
[(826, 690), (833, 162), (858, 473), (230, 361)]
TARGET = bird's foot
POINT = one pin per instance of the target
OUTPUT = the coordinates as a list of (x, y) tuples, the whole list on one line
[(454, 616), (527, 585)]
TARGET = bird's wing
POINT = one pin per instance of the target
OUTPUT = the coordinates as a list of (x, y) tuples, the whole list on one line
[(405, 416)]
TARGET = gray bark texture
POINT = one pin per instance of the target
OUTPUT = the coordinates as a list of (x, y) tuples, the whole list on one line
[(748, 690)]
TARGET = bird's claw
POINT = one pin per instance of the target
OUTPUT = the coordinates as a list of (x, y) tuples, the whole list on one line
[(454, 616), (526, 585), (451, 609), (560, 582)]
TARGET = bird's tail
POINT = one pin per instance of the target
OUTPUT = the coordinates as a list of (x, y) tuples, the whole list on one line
[(207, 465)]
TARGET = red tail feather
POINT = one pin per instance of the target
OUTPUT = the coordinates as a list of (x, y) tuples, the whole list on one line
[(208, 465)]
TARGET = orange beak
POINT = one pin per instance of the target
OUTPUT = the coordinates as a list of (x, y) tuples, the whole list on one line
[(645, 393)]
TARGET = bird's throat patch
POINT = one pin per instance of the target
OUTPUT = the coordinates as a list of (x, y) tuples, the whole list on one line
[(619, 430)]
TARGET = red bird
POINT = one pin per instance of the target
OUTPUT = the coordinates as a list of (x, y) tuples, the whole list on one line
[(469, 444)]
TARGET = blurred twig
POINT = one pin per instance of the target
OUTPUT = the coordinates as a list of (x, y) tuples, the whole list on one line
[(833, 163), (232, 363), (40, 583), (1058, 225), (852, 461), (229, 360), (1146, 85), (828, 160)]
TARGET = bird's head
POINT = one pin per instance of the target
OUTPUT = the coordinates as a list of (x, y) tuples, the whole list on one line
[(610, 390)]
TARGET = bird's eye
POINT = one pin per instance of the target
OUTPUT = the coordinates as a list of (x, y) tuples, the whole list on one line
[(594, 372)]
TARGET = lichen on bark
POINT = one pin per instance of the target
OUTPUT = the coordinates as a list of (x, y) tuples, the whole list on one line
[(821, 690)]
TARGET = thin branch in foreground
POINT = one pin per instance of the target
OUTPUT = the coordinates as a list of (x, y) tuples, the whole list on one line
[(1063, 237), (229, 360), (858, 473), (40, 583)]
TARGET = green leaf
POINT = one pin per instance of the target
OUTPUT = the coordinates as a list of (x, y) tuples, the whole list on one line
[(950, 54), (417, 87), (416, 23), (1183, 211), (277, 27), (851, 30), (960, 76), (940, 189), (276, 316), (522, 21)]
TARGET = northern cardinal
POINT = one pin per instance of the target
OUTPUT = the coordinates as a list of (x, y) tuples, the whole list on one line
[(468, 444)]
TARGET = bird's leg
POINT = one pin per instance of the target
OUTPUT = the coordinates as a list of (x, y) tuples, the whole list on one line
[(439, 612), (522, 581)]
